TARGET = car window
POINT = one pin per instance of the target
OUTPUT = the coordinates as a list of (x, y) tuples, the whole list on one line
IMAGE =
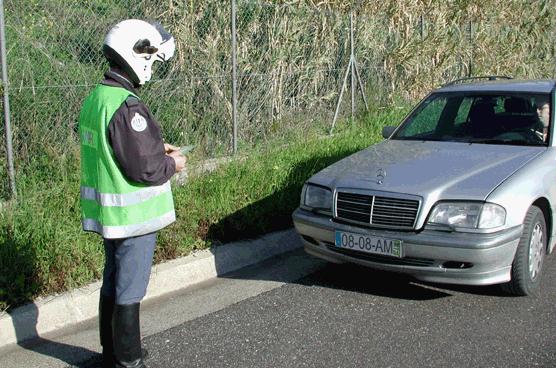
[(512, 118), (499, 104), (463, 111), (425, 122)]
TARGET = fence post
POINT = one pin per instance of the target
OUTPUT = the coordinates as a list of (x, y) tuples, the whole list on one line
[(234, 76), (5, 85), (354, 69), (352, 57), (471, 46)]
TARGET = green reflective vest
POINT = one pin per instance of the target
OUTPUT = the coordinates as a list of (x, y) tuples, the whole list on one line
[(112, 205)]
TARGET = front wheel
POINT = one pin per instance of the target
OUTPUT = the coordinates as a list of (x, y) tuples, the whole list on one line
[(529, 257)]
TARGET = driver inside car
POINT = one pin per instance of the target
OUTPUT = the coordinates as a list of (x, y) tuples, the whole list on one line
[(543, 111)]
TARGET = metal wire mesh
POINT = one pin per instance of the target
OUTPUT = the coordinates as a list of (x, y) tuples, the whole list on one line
[(292, 58), (290, 63)]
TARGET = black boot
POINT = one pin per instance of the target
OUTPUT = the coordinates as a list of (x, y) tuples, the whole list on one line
[(105, 310), (126, 334)]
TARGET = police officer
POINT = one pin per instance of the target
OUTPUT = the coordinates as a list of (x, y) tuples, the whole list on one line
[(125, 189)]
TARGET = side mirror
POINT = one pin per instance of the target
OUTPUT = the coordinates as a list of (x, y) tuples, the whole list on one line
[(387, 131)]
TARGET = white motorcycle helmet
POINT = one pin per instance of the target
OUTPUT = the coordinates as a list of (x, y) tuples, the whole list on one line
[(134, 45)]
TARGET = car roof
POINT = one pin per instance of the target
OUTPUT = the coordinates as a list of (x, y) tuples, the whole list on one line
[(505, 85)]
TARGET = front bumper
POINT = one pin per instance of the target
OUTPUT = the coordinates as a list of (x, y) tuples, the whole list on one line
[(428, 255)]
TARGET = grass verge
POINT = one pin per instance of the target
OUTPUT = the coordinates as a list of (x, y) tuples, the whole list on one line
[(44, 251)]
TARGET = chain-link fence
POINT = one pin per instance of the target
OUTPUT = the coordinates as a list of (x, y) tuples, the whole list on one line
[(291, 61)]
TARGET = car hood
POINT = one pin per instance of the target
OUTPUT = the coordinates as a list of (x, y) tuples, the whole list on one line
[(444, 170)]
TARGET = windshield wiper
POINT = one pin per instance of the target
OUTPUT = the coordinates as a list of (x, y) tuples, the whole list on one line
[(419, 139), (512, 142)]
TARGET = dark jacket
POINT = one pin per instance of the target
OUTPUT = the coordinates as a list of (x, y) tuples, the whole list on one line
[(139, 149)]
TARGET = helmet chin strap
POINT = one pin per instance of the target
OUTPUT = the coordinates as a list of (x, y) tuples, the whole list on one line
[(125, 77)]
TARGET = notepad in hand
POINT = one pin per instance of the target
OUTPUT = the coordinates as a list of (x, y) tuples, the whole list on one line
[(186, 149)]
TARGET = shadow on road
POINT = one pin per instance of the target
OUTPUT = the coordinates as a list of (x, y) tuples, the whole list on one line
[(360, 279), (364, 280), (25, 322), (346, 277)]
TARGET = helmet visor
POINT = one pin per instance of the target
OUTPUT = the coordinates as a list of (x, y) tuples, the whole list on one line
[(167, 46), (163, 32)]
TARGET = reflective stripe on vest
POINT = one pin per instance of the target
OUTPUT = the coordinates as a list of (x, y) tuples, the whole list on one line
[(126, 231), (127, 199)]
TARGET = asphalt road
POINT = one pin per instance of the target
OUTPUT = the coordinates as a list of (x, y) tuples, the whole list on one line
[(347, 316), (297, 311)]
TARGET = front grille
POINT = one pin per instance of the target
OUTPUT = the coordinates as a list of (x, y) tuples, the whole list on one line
[(380, 211), (406, 261)]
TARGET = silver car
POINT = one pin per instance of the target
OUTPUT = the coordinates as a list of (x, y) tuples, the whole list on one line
[(462, 192)]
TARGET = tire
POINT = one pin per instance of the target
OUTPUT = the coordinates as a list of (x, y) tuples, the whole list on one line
[(529, 257)]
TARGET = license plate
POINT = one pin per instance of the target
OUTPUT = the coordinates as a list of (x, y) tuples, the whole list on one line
[(369, 244)]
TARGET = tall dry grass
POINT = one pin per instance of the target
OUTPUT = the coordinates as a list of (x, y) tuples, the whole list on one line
[(292, 54)]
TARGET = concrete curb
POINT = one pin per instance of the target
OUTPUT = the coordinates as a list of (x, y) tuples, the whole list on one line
[(49, 314)]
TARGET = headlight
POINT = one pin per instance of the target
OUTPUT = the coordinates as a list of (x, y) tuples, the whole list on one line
[(317, 197), (468, 215), (492, 215)]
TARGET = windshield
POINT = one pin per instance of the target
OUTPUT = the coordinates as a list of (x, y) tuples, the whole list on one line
[(480, 118)]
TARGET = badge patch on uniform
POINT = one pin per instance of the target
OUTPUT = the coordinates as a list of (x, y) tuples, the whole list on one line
[(138, 123)]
